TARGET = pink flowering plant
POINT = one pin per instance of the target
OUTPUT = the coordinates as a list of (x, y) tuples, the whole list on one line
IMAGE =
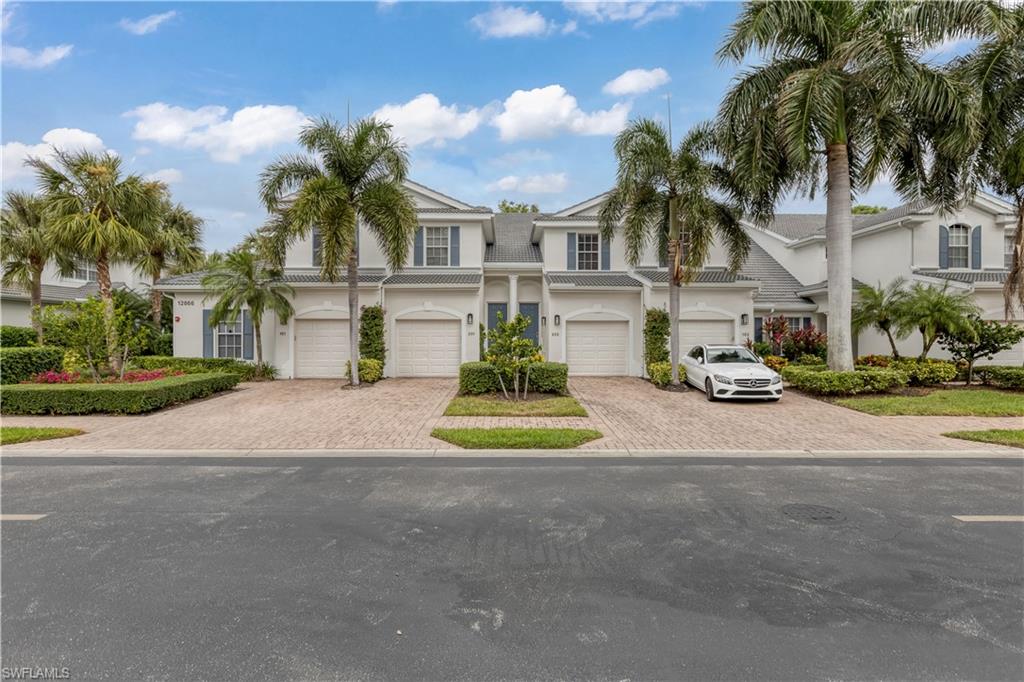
[(55, 377), (136, 376)]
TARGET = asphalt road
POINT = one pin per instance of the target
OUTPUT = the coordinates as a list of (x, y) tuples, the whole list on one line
[(543, 569)]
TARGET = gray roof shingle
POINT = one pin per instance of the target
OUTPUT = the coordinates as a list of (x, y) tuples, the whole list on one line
[(368, 276), (593, 279), (434, 278), (968, 276), (478, 209), (823, 285), (512, 243), (706, 276), (777, 283), (58, 293)]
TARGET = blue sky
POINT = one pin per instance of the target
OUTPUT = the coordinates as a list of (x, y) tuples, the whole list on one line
[(512, 100)]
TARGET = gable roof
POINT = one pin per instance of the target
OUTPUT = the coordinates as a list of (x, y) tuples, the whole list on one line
[(441, 197), (512, 239), (778, 285)]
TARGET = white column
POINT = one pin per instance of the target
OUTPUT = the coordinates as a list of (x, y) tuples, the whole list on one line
[(513, 295)]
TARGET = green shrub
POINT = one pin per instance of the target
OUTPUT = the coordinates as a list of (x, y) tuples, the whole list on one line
[(873, 360), (775, 362), (549, 377), (657, 328), (163, 345), (1002, 377), (111, 398), (926, 372), (371, 370), (822, 381), (807, 359), (19, 363), (16, 337), (371, 335), (476, 378), (661, 373), (761, 348), (246, 371)]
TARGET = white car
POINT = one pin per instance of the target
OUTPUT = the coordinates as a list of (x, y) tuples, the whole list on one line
[(731, 372)]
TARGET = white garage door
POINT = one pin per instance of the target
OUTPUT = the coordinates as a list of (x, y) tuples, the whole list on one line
[(696, 332), (597, 348), (321, 349), (428, 348)]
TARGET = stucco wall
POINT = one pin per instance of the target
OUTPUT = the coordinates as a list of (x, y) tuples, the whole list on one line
[(433, 304), (882, 256), (697, 303), (593, 305)]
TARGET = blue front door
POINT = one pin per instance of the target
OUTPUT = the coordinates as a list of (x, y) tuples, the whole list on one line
[(532, 311), (492, 314)]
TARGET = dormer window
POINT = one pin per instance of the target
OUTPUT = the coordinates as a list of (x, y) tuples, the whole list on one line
[(588, 251), (959, 246)]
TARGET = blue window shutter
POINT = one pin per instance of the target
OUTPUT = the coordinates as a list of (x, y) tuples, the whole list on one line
[(976, 248), (570, 251), (417, 253), (317, 247), (207, 335), (453, 241), (606, 254), (943, 246), (246, 335), (492, 314), (757, 328), (807, 322)]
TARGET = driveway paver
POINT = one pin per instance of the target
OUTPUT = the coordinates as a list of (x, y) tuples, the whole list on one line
[(400, 414)]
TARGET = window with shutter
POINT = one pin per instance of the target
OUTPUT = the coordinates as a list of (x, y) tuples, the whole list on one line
[(959, 246)]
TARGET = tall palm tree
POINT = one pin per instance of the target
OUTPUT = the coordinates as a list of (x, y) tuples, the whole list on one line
[(100, 214), (352, 175), (882, 308), (842, 95), (243, 282), (673, 197), (26, 249), (172, 241), (934, 311)]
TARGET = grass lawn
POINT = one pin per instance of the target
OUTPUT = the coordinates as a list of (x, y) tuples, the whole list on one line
[(9, 435), (517, 439), (1012, 437), (951, 402), (497, 406)]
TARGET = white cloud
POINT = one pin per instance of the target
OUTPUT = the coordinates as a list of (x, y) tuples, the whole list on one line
[(545, 112), (66, 139), (168, 176), (424, 119), (141, 27), (639, 13), (511, 22), (6, 16), (249, 130), (549, 183), (24, 58), (636, 82)]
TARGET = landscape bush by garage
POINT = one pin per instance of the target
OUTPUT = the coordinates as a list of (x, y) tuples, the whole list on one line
[(820, 381), (657, 328), (112, 398), (1011, 378), (21, 363), (549, 377), (244, 370), (16, 337), (661, 373), (371, 335), (371, 370), (477, 378)]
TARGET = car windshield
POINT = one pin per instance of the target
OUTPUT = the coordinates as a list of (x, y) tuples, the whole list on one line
[(730, 355)]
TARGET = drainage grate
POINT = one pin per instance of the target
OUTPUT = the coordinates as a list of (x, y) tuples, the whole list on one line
[(812, 513)]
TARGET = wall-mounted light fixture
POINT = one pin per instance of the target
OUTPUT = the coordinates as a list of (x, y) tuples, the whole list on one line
[(543, 321), (744, 319), (558, 320), (469, 319)]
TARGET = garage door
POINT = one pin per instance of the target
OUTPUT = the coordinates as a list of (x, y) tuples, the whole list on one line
[(696, 332), (597, 348), (321, 349), (428, 348)]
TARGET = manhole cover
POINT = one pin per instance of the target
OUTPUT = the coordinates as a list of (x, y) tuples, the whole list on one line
[(812, 513)]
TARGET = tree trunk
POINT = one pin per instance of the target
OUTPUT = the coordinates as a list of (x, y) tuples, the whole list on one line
[(892, 343), (156, 304), (970, 371), (1013, 290), (37, 301), (107, 296), (258, 337), (353, 314), (674, 277), (926, 343), (839, 243)]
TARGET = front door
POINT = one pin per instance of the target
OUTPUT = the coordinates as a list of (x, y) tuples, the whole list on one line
[(532, 311), (492, 314)]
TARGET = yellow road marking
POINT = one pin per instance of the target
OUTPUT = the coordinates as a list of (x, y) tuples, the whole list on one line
[(22, 517), (990, 518)]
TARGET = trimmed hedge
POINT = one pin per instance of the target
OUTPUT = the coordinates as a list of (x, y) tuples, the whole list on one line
[(1001, 377), (371, 370), (927, 372), (145, 396), (245, 371), (821, 381), (16, 337), (163, 345), (476, 378), (21, 363), (661, 373)]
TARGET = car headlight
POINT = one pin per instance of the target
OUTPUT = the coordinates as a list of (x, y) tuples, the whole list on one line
[(776, 379), (722, 379)]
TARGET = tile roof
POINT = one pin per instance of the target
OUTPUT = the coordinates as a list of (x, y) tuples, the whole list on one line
[(567, 218), (477, 209), (968, 276), (434, 278), (823, 285), (706, 276), (777, 283), (512, 243), (306, 276), (60, 292), (796, 225), (593, 279)]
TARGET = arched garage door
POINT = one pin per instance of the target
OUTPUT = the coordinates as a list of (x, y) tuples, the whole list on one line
[(428, 348), (696, 332), (597, 348)]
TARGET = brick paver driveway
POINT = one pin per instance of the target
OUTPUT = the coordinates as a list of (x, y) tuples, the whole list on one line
[(400, 414)]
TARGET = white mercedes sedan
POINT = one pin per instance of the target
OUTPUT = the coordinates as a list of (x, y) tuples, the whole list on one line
[(731, 372)]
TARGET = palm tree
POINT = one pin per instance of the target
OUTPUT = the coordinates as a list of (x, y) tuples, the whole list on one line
[(672, 198), (933, 311), (98, 214), (352, 175), (26, 249), (882, 308), (242, 281), (843, 96), (172, 241)]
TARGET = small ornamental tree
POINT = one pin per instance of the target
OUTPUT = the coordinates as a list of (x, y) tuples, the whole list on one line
[(774, 330), (984, 339), (807, 341), (511, 355), (82, 327)]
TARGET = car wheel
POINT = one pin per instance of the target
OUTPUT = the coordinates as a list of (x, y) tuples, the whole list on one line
[(709, 391)]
